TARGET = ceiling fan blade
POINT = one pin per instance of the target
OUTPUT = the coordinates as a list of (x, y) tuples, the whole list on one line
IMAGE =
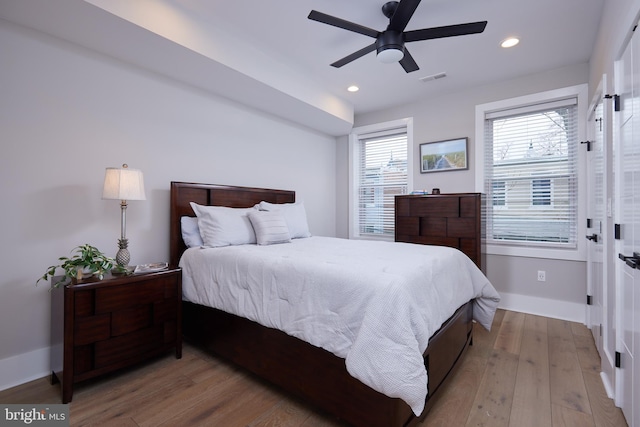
[(314, 15), (446, 31), (403, 14), (355, 55), (408, 63)]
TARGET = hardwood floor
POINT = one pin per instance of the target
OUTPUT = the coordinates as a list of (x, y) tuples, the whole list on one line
[(528, 371)]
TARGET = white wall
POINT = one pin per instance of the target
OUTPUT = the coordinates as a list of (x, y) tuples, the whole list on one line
[(67, 113), (563, 295)]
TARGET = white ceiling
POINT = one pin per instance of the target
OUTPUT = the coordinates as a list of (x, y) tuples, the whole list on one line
[(268, 55), (553, 33)]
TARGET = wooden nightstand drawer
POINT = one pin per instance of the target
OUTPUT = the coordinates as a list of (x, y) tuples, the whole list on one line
[(131, 319), (117, 297), (83, 303), (88, 330), (122, 348)]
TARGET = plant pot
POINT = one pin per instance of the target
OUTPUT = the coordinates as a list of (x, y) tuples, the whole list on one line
[(83, 273)]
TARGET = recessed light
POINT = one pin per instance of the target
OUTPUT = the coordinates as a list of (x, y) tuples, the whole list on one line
[(353, 88), (510, 42)]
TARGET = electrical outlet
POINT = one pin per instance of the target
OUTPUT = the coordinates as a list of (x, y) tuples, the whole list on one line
[(542, 276)]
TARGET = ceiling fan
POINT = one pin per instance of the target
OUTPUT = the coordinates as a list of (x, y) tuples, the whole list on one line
[(389, 43)]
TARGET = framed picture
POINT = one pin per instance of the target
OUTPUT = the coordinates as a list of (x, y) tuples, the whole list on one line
[(441, 156)]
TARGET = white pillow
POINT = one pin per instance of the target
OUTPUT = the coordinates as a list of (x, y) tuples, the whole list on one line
[(294, 214), (190, 231), (270, 227), (222, 226)]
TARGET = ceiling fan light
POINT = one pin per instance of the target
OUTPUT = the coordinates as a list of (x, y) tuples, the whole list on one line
[(389, 56)]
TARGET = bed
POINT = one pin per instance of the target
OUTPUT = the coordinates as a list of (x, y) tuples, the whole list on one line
[(306, 370)]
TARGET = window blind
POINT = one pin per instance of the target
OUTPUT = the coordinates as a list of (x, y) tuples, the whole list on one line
[(382, 175), (531, 166)]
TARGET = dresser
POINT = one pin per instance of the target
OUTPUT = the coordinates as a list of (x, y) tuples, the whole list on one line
[(445, 220), (99, 326)]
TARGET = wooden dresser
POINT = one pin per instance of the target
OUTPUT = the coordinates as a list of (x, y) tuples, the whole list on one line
[(99, 326), (446, 220)]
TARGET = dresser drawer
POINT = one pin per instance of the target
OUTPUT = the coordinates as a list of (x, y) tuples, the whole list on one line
[(439, 206)]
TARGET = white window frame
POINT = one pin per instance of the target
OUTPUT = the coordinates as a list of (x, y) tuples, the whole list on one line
[(354, 168), (581, 93)]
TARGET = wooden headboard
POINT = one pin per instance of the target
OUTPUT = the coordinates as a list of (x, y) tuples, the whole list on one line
[(182, 193)]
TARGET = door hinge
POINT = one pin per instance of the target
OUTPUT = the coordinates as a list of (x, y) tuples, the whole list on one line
[(616, 231), (588, 222), (616, 101), (588, 144), (618, 359), (632, 261), (589, 300)]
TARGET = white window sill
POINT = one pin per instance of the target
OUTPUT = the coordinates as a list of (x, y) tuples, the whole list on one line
[(537, 252)]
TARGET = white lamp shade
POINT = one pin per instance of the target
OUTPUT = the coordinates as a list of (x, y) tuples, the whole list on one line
[(123, 184)]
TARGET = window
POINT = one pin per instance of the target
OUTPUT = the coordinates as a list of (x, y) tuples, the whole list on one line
[(380, 169), (528, 162)]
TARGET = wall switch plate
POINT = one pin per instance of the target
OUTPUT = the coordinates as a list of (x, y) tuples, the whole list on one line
[(542, 276)]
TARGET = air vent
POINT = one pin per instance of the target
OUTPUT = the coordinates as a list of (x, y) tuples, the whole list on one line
[(434, 77)]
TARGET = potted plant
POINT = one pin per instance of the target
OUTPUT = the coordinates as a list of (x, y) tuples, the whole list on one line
[(87, 261)]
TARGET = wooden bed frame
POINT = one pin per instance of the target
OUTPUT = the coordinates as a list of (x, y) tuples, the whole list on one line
[(311, 373)]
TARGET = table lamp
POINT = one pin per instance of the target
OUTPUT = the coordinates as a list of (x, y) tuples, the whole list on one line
[(123, 184)]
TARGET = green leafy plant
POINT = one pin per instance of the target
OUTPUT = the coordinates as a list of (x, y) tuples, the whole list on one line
[(88, 260)]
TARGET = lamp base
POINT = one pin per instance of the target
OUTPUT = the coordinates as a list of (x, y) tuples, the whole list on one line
[(123, 257)]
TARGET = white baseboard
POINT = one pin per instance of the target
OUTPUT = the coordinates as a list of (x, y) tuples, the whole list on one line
[(22, 368), (556, 309), (608, 388)]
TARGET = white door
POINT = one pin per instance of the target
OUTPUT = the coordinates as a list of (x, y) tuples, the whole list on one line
[(628, 216), (605, 216), (600, 261), (595, 260)]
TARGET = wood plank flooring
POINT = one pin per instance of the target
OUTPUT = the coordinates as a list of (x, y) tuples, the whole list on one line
[(528, 371)]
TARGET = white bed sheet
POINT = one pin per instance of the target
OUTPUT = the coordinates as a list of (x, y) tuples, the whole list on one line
[(373, 303)]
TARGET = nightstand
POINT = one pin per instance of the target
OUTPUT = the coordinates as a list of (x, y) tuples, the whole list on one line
[(99, 326)]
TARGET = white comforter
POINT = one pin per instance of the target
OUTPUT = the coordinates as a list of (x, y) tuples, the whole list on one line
[(373, 303)]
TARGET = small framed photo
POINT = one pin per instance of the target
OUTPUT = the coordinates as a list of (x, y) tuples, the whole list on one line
[(441, 156)]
